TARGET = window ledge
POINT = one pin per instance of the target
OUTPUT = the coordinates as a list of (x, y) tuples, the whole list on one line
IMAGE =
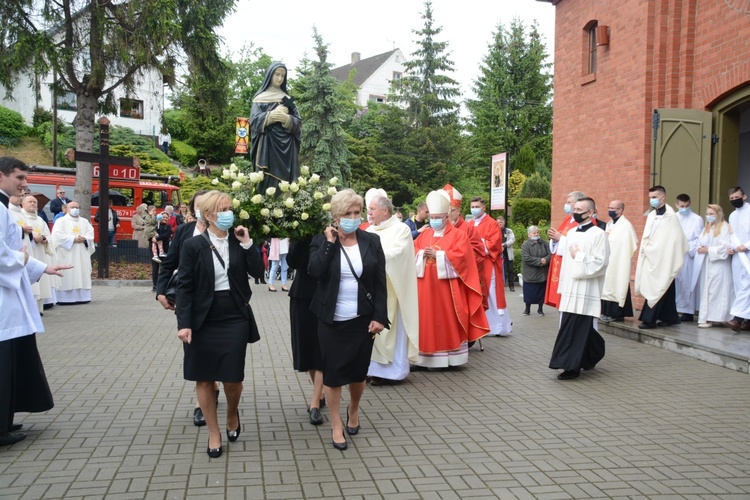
[(586, 79)]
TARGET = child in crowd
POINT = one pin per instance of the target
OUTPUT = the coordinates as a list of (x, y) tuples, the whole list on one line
[(149, 231)]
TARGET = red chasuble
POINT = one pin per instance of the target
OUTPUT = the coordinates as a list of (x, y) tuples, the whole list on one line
[(551, 297), (490, 232), (479, 256), (452, 310)]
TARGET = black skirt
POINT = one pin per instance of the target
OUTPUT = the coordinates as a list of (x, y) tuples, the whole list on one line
[(346, 347), (533, 293), (305, 346), (217, 350)]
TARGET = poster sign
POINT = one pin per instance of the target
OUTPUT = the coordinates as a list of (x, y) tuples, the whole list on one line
[(498, 181), (242, 135)]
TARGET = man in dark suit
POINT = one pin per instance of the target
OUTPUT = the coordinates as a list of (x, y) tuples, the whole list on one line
[(55, 206)]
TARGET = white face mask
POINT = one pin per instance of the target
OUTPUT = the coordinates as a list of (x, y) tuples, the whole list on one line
[(74, 212)]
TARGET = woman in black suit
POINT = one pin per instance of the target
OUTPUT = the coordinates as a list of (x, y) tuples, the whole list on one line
[(350, 303), (214, 318), (170, 264)]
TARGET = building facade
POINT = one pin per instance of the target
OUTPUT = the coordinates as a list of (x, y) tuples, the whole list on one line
[(650, 92), (141, 111), (373, 75)]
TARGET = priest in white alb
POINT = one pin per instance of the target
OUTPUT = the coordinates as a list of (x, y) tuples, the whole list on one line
[(73, 242), (687, 290), (38, 245), (739, 221), (662, 254), (585, 255), (397, 347), (616, 301)]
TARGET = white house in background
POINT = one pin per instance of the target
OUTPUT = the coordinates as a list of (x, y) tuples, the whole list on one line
[(141, 112), (373, 75)]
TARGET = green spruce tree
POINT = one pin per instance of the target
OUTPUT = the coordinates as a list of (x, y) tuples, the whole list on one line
[(514, 91), (324, 104)]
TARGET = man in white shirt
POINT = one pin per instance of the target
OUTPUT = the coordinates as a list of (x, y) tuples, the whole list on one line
[(739, 221), (687, 296)]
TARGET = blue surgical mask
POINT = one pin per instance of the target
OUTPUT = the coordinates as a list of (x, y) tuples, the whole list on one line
[(654, 202), (476, 212), (224, 220), (612, 214), (198, 214), (535, 238), (437, 224), (684, 210), (74, 212), (568, 208), (710, 218), (348, 226)]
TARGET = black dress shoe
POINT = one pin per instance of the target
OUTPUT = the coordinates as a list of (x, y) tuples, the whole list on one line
[(315, 417), (569, 374), (213, 452), (340, 446), (350, 430), (8, 438), (668, 323), (198, 418), (687, 318), (647, 326), (233, 435), (15, 427)]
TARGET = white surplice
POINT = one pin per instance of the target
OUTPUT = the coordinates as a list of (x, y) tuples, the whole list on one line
[(622, 245), (582, 276), (739, 220), (394, 349), (41, 251), (662, 254), (687, 296), (717, 292), (20, 316), (76, 283)]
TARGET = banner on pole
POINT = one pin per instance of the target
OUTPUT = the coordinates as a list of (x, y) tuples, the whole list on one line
[(242, 135), (498, 181)]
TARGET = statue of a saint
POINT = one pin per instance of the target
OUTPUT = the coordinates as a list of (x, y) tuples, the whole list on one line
[(276, 130)]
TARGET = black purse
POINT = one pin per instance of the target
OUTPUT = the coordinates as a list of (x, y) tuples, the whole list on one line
[(171, 292)]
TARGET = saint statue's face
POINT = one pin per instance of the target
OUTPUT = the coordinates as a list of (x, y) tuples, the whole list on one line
[(278, 77)]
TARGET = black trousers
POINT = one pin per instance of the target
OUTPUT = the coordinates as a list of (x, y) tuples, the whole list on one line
[(510, 276), (665, 310)]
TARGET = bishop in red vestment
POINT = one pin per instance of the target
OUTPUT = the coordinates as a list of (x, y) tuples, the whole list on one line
[(449, 290)]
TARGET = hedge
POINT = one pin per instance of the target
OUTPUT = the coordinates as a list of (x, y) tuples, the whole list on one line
[(184, 153), (12, 127), (531, 211)]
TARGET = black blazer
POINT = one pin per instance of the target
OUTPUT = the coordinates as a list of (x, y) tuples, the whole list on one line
[(195, 291), (172, 260), (303, 285), (325, 266)]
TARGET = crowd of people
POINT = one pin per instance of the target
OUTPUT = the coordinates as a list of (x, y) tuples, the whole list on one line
[(372, 301)]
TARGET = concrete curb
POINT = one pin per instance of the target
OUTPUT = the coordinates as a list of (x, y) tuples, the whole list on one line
[(119, 283)]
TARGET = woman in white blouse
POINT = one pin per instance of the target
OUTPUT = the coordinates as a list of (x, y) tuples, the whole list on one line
[(214, 318)]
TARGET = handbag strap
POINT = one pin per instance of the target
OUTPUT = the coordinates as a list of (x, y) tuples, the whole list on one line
[(221, 261), (367, 294)]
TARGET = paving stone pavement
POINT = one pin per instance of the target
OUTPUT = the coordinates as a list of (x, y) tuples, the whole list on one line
[(646, 423)]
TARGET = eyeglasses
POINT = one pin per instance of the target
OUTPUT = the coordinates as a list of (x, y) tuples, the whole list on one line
[(61, 192)]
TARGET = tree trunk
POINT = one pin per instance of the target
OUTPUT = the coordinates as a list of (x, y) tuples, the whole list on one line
[(85, 128)]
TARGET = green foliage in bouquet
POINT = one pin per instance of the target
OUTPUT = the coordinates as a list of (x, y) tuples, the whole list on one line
[(293, 210)]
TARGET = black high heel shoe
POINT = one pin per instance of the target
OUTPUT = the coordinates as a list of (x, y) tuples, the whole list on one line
[(339, 446), (213, 452), (233, 435), (350, 430)]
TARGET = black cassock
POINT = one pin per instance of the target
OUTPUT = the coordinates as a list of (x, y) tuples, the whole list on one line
[(578, 344)]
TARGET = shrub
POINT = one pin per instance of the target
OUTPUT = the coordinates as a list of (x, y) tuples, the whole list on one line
[(12, 127), (536, 186), (174, 119), (531, 211), (184, 153), (41, 115)]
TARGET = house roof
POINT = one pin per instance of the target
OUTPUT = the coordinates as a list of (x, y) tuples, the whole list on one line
[(365, 68)]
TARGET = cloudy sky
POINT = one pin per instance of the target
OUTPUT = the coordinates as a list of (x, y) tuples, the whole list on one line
[(284, 29)]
